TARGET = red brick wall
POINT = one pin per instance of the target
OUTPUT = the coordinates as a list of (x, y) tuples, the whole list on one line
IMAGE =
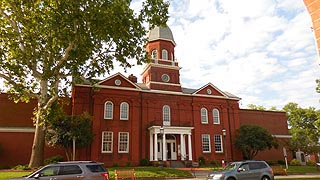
[(275, 123), (16, 148)]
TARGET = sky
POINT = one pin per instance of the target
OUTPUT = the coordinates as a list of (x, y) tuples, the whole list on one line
[(262, 51)]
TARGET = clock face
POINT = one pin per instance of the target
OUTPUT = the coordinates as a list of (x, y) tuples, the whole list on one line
[(165, 78)]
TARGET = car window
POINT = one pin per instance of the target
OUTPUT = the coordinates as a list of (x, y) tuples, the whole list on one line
[(70, 169), (245, 167), (96, 168), (49, 171), (257, 165)]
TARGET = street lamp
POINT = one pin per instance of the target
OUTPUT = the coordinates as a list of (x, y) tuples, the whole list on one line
[(162, 134), (224, 133)]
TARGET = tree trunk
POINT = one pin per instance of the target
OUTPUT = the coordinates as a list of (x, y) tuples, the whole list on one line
[(37, 154)]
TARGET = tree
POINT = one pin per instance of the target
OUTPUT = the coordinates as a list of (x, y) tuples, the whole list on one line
[(304, 126), (45, 45), (64, 129), (252, 139), (255, 107)]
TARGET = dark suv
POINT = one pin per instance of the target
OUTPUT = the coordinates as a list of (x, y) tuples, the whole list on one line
[(82, 170), (244, 170)]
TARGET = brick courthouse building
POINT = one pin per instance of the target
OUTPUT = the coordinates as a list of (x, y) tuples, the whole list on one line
[(157, 119)]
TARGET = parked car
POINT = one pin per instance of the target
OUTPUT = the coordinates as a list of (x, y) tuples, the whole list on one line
[(244, 170), (82, 170)]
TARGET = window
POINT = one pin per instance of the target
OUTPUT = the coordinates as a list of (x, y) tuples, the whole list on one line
[(107, 142), (166, 115), (154, 54), (124, 111), (123, 146), (216, 117), (206, 143), (70, 169), (108, 110), (50, 171), (218, 143), (204, 116), (164, 54)]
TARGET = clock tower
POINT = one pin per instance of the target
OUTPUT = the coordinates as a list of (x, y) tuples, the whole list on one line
[(162, 73)]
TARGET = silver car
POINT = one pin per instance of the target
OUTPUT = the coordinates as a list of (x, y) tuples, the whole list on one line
[(244, 170), (82, 170)]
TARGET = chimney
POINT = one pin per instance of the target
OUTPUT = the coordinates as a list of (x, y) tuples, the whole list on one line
[(132, 78)]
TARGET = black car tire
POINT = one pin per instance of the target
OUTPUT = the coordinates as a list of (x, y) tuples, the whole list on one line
[(265, 178)]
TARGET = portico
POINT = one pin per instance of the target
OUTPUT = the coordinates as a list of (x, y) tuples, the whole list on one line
[(164, 146)]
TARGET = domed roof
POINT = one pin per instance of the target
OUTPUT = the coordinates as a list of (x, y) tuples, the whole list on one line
[(160, 32)]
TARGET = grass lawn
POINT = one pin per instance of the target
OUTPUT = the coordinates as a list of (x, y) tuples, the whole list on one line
[(12, 174)]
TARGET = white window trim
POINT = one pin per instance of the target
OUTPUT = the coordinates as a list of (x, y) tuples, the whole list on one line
[(127, 151), (221, 143), (164, 52), (102, 141), (105, 114), (166, 122), (124, 118), (154, 53), (218, 116), (206, 118), (208, 137)]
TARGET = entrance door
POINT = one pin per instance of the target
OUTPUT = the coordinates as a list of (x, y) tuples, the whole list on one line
[(171, 149)]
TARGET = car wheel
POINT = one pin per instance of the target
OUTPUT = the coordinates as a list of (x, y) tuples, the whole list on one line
[(231, 178), (265, 178)]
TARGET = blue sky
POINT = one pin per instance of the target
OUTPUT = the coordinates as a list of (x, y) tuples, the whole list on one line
[(263, 51)]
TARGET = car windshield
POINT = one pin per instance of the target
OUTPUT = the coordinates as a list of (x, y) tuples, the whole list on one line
[(230, 166)]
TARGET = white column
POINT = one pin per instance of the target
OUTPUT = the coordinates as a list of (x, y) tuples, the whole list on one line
[(183, 148), (164, 152), (189, 147), (151, 146), (155, 147)]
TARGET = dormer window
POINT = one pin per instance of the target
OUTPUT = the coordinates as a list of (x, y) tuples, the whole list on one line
[(154, 54), (164, 54)]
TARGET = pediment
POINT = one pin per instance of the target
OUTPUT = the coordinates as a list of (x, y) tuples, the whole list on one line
[(118, 80), (210, 90)]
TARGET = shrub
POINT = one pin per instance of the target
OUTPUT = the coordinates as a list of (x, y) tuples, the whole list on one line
[(214, 163), (128, 164), (311, 163), (202, 161), (115, 165), (144, 162), (295, 162), (53, 159), (281, 162), (21, 167), (271, 163)]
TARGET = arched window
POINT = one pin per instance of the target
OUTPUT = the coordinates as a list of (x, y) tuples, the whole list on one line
[(204, 116), (216, 116), (164, 54), (124, 111), (154, 54), (166, 115), (108, 110)]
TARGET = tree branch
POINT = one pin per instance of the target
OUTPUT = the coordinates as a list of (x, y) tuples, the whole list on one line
[(16, 29), (13, 83)]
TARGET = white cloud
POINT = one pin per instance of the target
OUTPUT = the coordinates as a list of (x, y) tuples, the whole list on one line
[(262, 51)]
